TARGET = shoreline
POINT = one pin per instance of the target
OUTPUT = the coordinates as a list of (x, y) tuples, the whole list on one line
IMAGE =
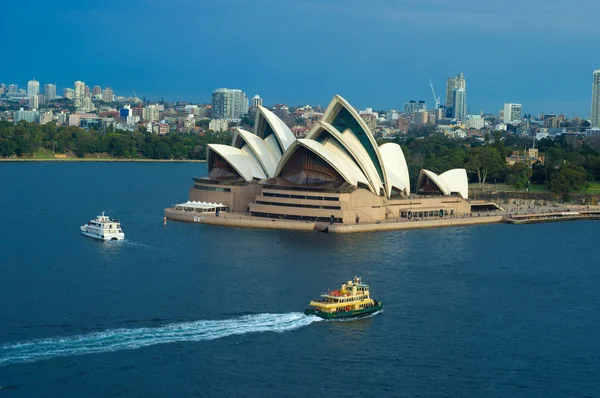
[(103, 160), (244, 221)]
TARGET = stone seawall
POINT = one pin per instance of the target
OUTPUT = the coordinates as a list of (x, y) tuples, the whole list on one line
[(244, 221), (345, 229)]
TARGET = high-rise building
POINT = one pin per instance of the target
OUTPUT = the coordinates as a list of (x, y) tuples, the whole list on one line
[(97, 90), (107, 95), (151, 113), (230, 104), (87, 105), (49, 92), (68, 93), (13, 89), (453, 83), (256, 101), (412, 106), (450, 87), (595, 121), (512, 113), (459, 103), (79, 93), (34, 102), (33, 88)]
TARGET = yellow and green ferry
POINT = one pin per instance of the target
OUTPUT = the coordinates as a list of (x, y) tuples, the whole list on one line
[(352, 300)]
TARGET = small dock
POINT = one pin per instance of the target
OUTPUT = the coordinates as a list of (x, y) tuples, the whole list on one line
[(553, 217)]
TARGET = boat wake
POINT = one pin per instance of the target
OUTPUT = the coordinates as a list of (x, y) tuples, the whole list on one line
[(358, 318), (131, 339)]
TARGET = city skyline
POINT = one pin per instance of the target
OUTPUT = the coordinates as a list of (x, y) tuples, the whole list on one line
[(380, 75)]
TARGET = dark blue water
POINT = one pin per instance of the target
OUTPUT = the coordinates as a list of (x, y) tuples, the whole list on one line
[(193, 310)]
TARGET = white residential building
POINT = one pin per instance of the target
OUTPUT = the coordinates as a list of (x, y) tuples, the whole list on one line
[(512, 113), (79, 94), (108, 95), (256, 101), (33, 88), (218, 125), (230, 104), (50, 91), (474, 122), (151, 113)]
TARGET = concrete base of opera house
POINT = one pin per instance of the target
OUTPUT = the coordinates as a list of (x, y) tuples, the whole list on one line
[(246, 221)]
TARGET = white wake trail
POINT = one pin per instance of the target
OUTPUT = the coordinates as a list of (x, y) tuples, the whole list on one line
[(131, 339)]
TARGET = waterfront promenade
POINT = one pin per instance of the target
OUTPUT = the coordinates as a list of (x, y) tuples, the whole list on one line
[(513, 215)]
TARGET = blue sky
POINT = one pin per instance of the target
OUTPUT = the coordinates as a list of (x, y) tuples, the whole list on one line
[(376, 53)]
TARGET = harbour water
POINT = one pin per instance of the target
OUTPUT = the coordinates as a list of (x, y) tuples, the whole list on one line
[(198, 310)]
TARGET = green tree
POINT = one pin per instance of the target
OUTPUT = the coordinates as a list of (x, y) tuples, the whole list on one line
[(569, 178), (519, 175), (484, 161)]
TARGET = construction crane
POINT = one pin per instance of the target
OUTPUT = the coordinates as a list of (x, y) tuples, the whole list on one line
[(435, 99)]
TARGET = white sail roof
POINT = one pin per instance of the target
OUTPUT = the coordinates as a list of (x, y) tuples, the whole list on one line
[(260, 150), (395, 167), (282, 132), (343, 117), (353, 146), (457, 181), (451, 181), (241, 160)]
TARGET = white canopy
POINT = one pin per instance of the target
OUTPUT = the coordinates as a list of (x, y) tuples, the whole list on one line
[(201, 205)]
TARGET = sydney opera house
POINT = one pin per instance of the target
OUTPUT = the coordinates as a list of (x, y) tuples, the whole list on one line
[(336, 174)]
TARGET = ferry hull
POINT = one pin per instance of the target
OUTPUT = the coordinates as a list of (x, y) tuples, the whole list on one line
[(347, 314), (106, 237)]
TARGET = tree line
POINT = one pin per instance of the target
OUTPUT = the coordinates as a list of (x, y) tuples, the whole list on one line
[(571, 163), (25, 139)]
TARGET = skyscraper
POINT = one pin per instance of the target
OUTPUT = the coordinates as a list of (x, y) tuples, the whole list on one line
[(97, 90), (13, 89), (595, 121), (450, 87), (231, 104), (453, 83), (33, 88), (459, 103), (49, 92), (79, 93)]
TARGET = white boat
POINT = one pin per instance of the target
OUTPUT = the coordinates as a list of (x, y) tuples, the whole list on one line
[(102, 227)]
